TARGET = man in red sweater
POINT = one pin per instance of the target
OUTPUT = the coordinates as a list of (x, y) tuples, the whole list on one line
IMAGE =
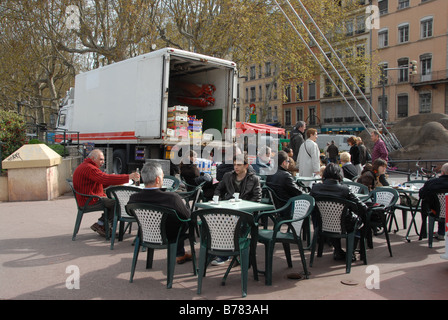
[(89, 179)]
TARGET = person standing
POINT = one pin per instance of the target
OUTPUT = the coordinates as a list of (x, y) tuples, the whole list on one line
[(88, 179), (363, 154), (354, 153), (333, 152), (309, 155), (297, 138), (379, 148)]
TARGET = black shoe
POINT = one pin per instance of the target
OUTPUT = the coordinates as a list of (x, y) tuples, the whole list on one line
[(339, 255)]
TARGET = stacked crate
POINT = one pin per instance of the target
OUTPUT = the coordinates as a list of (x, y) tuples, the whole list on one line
[(177, 122), (195, 127)]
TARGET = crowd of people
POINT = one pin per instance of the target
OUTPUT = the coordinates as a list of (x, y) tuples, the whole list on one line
[(301, 157)]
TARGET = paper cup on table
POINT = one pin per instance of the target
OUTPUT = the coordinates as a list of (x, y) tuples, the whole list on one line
[(216, 199), (236, 196)]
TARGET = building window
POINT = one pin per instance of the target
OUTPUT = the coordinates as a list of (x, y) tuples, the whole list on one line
[(383, 5), (287, 117), (252, 73), (299, 114), (253, 96), (403, 33), (288, 93), (299, 92), (267, 69), (403, 75), (402, 4), (425, 102), (403, 102), (312, 90), (383, 38), (426, 26), (426, 66), (312, 111)]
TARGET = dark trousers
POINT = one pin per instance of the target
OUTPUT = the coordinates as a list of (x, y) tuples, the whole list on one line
[(110, 205)]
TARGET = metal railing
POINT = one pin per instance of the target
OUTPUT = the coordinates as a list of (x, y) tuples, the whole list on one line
[(408, 167)]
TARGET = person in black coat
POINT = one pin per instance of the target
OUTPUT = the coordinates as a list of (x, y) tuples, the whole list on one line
[(332, 186), (152, 176), (282, 182), (430, 203)]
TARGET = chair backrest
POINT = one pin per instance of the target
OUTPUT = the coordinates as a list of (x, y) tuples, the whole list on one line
[(330, 210), (121, 195), (222, 229), (151, 221), (301, 207), (277, 201), (171, 183), (385, 196), (357, 188), (442, 204), (191, 197), (75, 193)]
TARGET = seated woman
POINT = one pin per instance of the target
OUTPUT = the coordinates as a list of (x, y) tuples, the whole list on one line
[(332, 186), (348, 169), (189, 172), (374, 175)]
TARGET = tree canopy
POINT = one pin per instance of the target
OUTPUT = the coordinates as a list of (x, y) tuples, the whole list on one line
[(44, 44)]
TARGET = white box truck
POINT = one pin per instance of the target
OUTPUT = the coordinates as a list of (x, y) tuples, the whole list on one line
[(125, 106)]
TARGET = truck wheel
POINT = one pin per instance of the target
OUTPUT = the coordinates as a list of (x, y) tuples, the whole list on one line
[(120, 165)]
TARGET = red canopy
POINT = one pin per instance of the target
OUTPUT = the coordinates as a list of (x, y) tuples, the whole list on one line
[(260, 127)]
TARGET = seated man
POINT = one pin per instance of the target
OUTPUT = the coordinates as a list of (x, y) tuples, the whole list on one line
[(90, 180), (282, 182), (241, 181), (263, 165), (152, 176), (429, 201)]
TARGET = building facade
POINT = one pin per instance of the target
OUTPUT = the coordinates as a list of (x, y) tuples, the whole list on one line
[(411, 30)]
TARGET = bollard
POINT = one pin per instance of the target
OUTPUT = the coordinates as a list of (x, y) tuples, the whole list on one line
[(445, 256)]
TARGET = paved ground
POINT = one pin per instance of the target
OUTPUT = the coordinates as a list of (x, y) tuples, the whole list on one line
[(37, 256)]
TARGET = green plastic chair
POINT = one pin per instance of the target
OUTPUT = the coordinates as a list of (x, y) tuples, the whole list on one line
[(171, 183), (152, 221), (441, 215), (403, 205), (225, 232), (87, 209), (387, 197), (298, 208), (329, 211), (357, 188), (121, 195)]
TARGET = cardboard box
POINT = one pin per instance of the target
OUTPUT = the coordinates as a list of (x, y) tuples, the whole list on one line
[(178, 118), (177, 124), (178, 109)]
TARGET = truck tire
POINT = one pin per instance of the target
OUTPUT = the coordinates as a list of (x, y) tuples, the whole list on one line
[(120, 165)]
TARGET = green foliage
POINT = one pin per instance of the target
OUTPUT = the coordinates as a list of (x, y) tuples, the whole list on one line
[(12, 132), (58, 149)]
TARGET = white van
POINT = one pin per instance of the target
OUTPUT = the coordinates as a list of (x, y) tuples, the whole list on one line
[(340, 140)]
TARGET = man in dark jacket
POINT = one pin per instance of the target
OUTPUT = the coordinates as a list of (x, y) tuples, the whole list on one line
[(297, 138), (429, 200), (241, 181), (152, 176), (332, 186), (282, 182), (333, 152)]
